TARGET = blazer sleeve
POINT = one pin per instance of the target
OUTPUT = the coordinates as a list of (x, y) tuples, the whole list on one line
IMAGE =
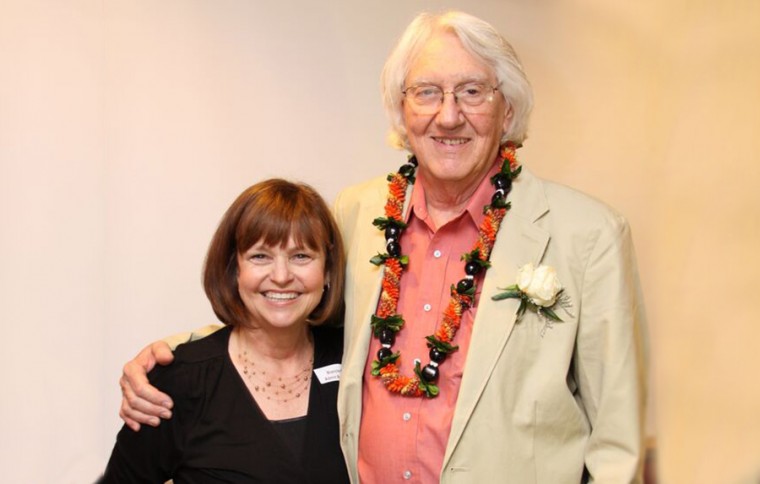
[(177, 339), (611, 358)]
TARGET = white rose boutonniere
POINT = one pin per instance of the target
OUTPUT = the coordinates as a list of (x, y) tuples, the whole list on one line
[(540, 284), (538, 289)]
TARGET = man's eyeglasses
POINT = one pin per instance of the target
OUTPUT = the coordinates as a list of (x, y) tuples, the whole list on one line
[(472, 97)]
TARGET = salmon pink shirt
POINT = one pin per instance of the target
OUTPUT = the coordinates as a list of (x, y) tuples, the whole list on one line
[(403, 439)]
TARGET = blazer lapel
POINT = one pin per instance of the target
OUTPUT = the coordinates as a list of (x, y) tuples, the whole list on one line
[(520, 240), (368, 280), (361, 302)]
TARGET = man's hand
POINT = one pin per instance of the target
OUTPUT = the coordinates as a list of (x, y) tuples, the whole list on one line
[(142, 403)]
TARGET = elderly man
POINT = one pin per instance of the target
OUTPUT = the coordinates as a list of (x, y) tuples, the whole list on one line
[(494, 326)]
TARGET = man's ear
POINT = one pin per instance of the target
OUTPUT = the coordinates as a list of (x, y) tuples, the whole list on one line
[(507, 118)]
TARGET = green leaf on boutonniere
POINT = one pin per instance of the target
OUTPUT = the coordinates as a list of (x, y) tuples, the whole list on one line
[(549, 313), (511, 292), (523, 307), (430, 389)]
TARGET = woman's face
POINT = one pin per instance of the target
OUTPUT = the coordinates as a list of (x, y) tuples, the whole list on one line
[(453, 147), (280, 285)]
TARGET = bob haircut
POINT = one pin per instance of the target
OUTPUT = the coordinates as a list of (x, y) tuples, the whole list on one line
[(274, 211), (482, 41)]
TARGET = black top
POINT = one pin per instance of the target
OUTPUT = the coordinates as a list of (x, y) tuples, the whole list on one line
[(218, 433)]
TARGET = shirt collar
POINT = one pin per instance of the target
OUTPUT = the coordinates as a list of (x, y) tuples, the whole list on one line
[(474, 207)]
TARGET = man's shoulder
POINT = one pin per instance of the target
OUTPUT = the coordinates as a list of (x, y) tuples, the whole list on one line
[(374, 186), (363, 201), (580, 208)]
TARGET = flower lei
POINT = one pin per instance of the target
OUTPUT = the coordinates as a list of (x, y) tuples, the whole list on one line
[(386, 322)]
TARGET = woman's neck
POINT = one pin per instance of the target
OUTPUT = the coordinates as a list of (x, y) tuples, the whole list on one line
[(275, 345)]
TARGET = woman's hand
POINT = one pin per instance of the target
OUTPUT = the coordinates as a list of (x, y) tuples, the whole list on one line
[(141, 402)]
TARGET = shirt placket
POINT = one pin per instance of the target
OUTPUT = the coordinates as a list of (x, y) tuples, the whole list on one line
[(426, 307)]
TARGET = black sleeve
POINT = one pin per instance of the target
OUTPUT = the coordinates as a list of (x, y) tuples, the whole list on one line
[(152, 454)]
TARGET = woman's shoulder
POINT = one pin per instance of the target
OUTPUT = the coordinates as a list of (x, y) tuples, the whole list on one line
[(192, 362), (212, 346)]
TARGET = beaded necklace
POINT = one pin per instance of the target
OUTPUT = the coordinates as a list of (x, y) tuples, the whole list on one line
[(386, 322), (280, 388)]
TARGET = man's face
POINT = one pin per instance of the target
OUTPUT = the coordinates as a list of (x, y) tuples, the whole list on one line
[(452, 147)]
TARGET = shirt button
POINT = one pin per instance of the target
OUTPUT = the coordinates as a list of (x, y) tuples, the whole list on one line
[(436, 253), (407, 416), (407, 475), (427, 307)]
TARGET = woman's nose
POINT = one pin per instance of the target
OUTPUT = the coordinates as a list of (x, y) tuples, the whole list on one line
[(281, 272)]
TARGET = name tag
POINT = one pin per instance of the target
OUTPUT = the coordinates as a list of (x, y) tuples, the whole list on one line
[(328, 373)]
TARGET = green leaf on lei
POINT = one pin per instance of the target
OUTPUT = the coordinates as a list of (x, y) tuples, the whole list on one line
[(442, 346), (379, 259), (393, 323), (377, 365)]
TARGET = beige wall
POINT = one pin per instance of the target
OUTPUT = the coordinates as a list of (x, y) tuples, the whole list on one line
[(126, 128)]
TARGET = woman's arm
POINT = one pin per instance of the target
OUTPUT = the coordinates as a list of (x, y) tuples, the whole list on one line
[(153, 454)]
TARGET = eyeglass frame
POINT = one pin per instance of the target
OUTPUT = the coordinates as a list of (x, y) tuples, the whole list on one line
[(463, 107)]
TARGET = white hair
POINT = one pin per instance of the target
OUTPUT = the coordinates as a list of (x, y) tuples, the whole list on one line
[(481, 40)]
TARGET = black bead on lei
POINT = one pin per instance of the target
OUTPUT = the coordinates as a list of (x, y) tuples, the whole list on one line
[(465, 285), (387, 336), (437, 355), (429, 373), (383, 353), (472, 268)]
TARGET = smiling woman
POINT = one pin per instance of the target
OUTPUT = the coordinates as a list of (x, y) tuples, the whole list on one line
[(274, 275), (280, 285)]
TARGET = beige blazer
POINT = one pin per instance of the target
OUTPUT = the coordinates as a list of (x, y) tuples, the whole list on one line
[(549, 405)]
